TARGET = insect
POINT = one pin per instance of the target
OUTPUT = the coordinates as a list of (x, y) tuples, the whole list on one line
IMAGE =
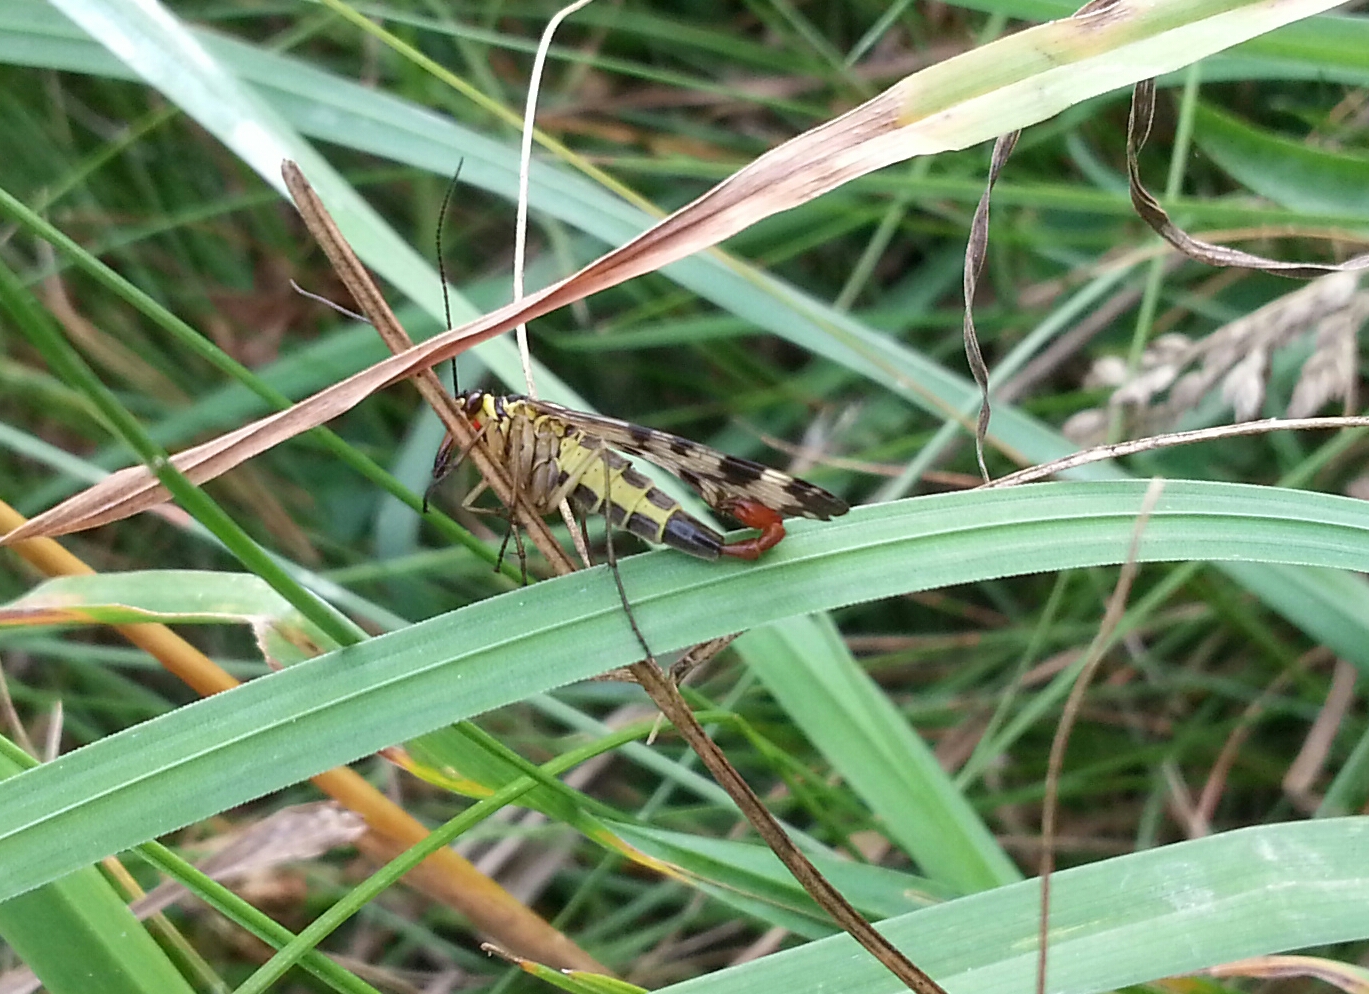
[(553, 453)]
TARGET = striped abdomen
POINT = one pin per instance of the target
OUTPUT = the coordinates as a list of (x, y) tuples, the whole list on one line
[(550, 461)]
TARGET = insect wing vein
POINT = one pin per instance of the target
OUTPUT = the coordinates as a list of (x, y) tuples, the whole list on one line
[(719, 478)]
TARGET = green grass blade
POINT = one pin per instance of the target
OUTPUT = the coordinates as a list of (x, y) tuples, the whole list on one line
[(1117, 922), (810, 672), (275, 731), (78, 936)]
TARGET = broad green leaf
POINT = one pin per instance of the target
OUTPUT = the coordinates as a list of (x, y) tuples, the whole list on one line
[(1293, 174), (277, 730), (78, 936), (173, 597), (855, 726), (1117, 922)]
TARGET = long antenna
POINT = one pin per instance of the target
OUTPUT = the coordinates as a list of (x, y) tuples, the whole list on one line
[(441, 266)]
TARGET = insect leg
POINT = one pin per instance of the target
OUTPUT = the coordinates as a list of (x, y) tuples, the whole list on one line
[(504, 546), (444, 464), (512, 531), (613, 560), (584, 531), (754, 515), (516, 482), (522, 551)]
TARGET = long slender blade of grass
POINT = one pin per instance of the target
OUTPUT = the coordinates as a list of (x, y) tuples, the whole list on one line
[(229, 748)]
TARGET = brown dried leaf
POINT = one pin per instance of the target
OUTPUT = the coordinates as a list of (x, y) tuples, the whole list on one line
[(975, 252), (1138, 130), (1348, 977)]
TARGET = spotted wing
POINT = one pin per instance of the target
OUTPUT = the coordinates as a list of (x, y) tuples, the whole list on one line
[(720, 479)]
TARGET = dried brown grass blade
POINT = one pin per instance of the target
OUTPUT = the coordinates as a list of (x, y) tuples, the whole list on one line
[(1102, 453), (975, 251), (372, 302), (663, 691), (1138, 130), (1348, 977), (1300, 780), (795, 172)]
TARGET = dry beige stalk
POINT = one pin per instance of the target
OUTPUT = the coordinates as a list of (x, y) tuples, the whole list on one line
[(1176, 373)]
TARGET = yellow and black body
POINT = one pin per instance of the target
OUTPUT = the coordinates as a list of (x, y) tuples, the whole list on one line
[(553, 453)]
